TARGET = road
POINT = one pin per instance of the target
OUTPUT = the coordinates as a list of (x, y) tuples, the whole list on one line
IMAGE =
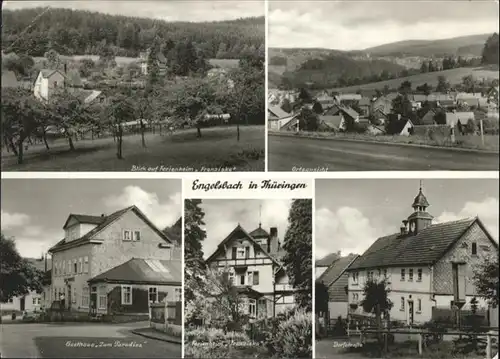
[(73, 340), (285, 153)]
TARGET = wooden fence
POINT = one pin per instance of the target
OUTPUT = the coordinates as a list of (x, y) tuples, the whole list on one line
[(166, 313)]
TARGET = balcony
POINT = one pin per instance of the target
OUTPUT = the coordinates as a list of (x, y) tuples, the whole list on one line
[(283, 288), (243, 262)]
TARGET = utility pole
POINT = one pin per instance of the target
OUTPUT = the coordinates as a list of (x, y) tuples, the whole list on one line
[(482, 131)]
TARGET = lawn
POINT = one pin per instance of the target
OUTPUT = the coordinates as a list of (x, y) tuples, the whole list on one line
[(217, 150)]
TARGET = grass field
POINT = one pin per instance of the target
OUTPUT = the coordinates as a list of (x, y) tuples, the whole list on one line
[(491, 142), (453, 76), (216, 150)]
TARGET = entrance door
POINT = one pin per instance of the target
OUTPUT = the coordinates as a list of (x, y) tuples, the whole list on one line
[(93, 300), (410, 312), (69, 297), (22, 304)]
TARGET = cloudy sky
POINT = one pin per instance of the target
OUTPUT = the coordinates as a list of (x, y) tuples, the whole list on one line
[(186, 10), (34, 211), (352, 214), (356, 24), (222, 216)]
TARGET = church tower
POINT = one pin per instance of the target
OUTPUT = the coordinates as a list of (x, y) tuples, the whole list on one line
[(419, 219)]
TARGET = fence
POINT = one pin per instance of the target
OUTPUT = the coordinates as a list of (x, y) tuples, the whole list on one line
[(424, 336), (166, 313)]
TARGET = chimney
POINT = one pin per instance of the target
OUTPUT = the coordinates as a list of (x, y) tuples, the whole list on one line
[(65, 68), (273, 240), (103, 215), (399, 116), (404, 227), (45, 263)]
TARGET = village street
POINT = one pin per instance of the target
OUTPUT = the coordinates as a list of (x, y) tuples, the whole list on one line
[(68, 340), (285, 153)]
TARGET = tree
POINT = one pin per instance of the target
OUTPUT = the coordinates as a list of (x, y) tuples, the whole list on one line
[(317, 108), (305, 96), (402, 105), (425, 67), (19, 277), (405, 87), (486, 280), (53, 59), (86, 67), (425, 89), (286, 106), (119, 110), (468, 83), (443, 85), (194, 235), (298, 247), (376, 300), (321, 297), (308, 120), (490, 50)]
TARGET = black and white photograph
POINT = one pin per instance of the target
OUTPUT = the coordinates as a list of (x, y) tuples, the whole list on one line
[(383, 85), (248, 278), (91, 268), (149, 86), (406, 268)]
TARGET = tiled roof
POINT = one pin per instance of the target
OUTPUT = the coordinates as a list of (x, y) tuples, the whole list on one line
[(278, 112), (47, 72), (327, 260), (395, 127), (350, 112), (138, 270), (39, 263), (105, 221), (84, 218), (453, 117), (426, 247), (259, 233), (336, 269), (331, 121)]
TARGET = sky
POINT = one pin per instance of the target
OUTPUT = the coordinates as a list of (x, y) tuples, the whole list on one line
[(357, 24), (187, 10), (222, 216), (35, 210), (351, 214)]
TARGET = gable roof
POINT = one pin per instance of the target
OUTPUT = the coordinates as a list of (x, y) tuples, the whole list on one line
[(424, 248), (331, 121), (349, 112), (46, 73), (248, 236), (395, 127), (452, 118), (84, 218), (327, 260), (139, 270), (259, 233), (428, 118), (106, 221), (278, 111), (336, 269)]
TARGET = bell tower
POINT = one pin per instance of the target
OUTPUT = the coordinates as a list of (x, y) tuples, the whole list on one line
[(419, 219)]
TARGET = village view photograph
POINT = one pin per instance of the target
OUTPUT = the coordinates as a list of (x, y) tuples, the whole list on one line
[(248, 278), (170, 86), (91, 268), (383, 85), (406, 268)]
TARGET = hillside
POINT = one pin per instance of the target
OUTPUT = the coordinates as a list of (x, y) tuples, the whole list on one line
[(463, 46), (76, 32), (338, 68), (453, 76)]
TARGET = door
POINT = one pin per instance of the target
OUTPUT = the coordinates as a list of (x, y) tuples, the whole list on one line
[(93, 300), (410, 312), (22, 304), (69, 297)]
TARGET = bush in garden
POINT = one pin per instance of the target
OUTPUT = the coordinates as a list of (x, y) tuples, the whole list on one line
[(294, 336)]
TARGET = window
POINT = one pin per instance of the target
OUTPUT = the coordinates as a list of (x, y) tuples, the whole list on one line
[(355, 277), (126, 295), (252, 307), (474, 248), (255, 278), (178, 294), (403, 274), (85, 264), (55, 84), (137, 236), (231, 277), (103, 297), (233, 254), (410, 275), (85, 297), (11, 300), (242, 279), (240, 254), (402, 307), (36, 300), (419, 275), (73, 299), (127, 235), (153, 294), (247, 252), (69, 267), (80, 265), (250, 278), (55, 294), (355, 297), (419, 305), (75, 267)]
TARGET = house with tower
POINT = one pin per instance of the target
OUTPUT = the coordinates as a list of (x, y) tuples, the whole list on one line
[(253, 261), (427, 266)]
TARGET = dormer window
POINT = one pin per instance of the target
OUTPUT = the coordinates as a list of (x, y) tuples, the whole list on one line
[(137, 236), (240, 253)]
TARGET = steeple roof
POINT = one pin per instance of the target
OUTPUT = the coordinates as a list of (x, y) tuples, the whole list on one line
[(420, 200), (259, 233)]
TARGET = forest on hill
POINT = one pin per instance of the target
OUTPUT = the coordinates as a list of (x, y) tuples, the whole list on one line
[(75, 32)]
